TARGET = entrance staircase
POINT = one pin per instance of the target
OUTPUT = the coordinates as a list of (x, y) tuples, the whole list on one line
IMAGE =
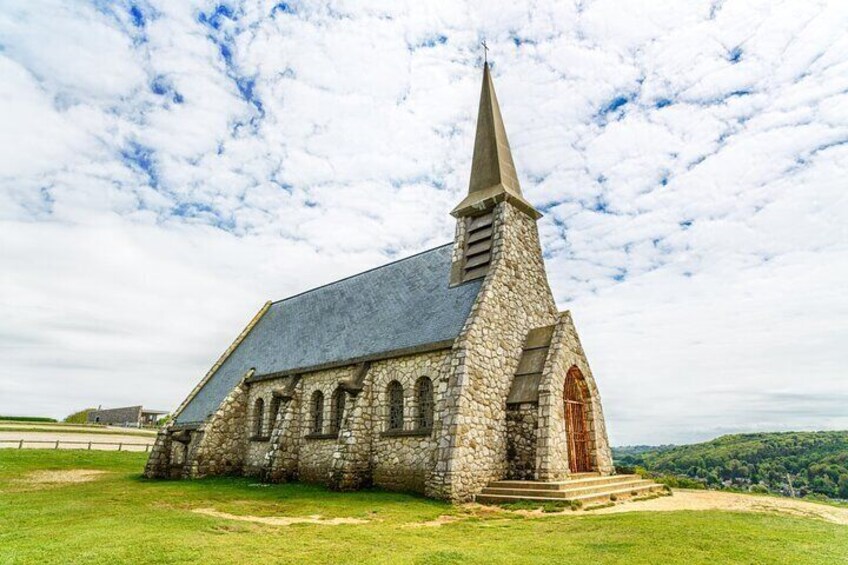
[(588, 488)]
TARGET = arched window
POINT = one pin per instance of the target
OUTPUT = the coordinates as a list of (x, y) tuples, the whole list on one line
[(337, 410), (317, 415), (395, 395), (424, 402), (275, 409), (258, 416)]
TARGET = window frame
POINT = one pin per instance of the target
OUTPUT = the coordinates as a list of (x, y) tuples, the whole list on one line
[(394, 404), (424, 404), (258, 417), (337, 408), (316, 412)]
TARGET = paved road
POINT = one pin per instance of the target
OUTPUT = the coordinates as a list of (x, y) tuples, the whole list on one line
[(129, 442)]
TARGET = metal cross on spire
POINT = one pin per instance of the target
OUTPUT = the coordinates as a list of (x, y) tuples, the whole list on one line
[(485, 51)]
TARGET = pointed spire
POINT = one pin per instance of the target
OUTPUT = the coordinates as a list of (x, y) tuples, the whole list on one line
[(493, 176)]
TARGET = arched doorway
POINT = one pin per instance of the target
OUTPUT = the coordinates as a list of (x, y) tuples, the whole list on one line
[(577, 408)]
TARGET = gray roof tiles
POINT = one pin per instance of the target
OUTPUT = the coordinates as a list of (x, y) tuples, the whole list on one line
[(402, 305)]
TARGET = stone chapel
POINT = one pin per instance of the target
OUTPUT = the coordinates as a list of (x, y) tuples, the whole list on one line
[(439, 373)]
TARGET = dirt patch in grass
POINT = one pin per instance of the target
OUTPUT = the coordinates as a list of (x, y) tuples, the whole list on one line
[(734, 502), (440, 521), (280, 520), (68, 476)]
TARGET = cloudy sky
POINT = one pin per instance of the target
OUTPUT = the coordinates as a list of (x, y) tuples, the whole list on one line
[(166, 167)]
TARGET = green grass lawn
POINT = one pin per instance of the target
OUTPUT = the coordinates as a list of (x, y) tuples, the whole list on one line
[(122, 518)]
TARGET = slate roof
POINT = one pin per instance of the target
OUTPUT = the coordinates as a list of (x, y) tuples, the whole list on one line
[(403, 305)]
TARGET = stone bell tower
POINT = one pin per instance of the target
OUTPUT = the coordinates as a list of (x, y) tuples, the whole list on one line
[(497, 240)]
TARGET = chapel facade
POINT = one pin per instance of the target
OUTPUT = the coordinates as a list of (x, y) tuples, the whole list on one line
[(438, 373)]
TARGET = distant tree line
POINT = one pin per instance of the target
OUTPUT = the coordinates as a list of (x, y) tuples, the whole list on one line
[(792, 463), (27, 419)]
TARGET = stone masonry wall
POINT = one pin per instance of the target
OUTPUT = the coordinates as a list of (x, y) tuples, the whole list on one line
[(522, 423), (281, 458), (403, 462), (351, 464), (552, 455), (159, 462), (315, 460), (215, 448), (515, 297), (218, 447), (364, 452)]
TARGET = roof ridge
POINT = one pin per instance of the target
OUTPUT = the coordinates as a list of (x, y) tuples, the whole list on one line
[(384, 265)]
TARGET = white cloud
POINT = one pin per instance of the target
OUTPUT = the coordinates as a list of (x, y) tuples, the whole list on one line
[(166, 167)]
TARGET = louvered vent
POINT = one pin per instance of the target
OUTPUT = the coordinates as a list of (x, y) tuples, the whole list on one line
[(478, 247)]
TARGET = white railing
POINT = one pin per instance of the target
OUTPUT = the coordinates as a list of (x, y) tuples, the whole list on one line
[(55, 444)]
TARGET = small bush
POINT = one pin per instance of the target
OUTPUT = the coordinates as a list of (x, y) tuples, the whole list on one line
[(673, 481), (599, 506), (550, 507), (80, 417), (613, 497)]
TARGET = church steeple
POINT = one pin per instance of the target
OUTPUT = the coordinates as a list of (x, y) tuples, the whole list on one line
[(493, 176)]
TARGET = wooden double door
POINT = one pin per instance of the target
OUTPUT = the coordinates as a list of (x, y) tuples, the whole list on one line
[(577, 412)]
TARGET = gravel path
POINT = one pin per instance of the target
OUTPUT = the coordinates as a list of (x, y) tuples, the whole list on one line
[(717, 500)]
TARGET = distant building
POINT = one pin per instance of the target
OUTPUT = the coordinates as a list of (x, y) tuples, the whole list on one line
[(130, 416)]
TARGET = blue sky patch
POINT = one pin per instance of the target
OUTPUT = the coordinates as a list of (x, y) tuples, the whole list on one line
[(741, 92), (216, 18), (282, 7), (246, 87), (136, 16), (140, 158), (162, 87), (519, 41), (434, 40), (615, 104), (159, 86), (735, 54)]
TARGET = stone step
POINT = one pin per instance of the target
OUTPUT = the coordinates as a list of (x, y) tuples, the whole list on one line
[(599, 497), (560, 485), (568, 493)]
